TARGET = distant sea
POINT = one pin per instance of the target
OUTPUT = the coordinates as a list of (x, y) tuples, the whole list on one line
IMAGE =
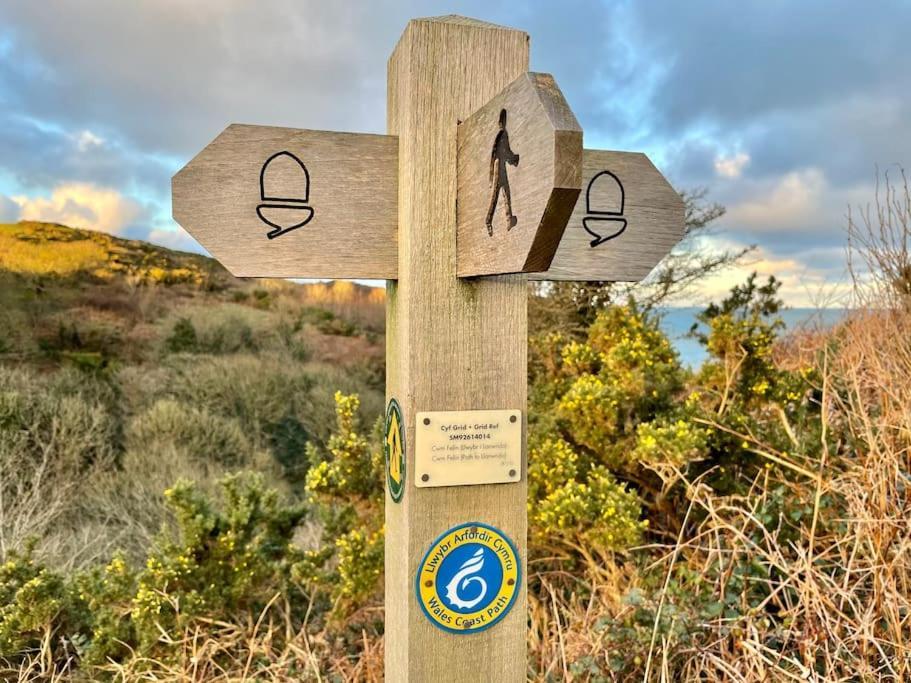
[(676, 324)]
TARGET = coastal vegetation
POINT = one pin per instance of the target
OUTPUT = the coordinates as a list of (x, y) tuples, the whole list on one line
[(192, 480)]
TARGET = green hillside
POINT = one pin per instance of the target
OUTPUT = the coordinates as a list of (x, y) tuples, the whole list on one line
[(84, 297), (30, 248), (125, 367)]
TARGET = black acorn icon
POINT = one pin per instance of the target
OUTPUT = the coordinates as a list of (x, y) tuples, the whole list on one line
[(284, 187), (606, 221)]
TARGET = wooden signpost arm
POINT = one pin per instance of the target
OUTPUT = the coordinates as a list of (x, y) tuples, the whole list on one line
[(451, 344)]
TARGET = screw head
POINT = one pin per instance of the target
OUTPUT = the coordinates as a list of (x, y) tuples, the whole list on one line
[(425, 477), (512, 473), (512, 418), (426, 420)]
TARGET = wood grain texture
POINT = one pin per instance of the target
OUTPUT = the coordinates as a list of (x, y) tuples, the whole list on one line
[(353, 193), (451, 344), (652, 210), (527, 172)]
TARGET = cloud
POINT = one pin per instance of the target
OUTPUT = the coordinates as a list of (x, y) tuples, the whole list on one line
[(793, 201), (282, 62), (86, 140), (783, 110), (811, 278), (9, 210), (82, 205), (731, 167), (178, 239)]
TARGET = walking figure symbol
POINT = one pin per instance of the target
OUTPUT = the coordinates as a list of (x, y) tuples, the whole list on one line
[(500, 155)]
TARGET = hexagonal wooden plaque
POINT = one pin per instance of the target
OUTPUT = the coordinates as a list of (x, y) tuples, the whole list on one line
[(519, 175)]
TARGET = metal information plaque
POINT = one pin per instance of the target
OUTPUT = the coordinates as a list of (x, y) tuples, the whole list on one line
[(462, 448)]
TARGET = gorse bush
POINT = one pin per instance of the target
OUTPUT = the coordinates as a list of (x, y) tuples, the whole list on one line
[(595, 400), (346, 482), (221, 562)]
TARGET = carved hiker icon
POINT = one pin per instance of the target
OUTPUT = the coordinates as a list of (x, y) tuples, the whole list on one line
[(500, 155)]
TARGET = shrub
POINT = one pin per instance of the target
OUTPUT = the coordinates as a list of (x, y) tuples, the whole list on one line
[(70, 420), (39, 607), (346, 483), (595, 401), (193, 431), (183, 337), (219, 330), (596, 512), (222, 563)]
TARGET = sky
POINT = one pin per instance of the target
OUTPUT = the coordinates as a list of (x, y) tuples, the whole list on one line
[(784, 111)]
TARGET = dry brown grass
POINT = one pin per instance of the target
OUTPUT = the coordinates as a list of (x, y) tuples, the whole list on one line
[(267, 648), (839, 595)]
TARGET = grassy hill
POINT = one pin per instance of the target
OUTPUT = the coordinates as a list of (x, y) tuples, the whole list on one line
[(154, 365), (83, 297)]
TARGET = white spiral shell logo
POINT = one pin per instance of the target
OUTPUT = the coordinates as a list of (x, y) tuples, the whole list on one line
[(463, 578)]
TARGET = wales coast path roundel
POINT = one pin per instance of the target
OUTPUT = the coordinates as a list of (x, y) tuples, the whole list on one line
[(469, 578)]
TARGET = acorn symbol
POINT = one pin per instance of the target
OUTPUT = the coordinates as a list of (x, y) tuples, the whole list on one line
[(284, 187), (606, 222)]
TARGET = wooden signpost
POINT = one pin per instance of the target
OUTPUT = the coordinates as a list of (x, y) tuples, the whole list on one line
[(480, 182)]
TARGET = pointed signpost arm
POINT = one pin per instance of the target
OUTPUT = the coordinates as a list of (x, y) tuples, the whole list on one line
[(452, 344), (627, 218), (286, 202)]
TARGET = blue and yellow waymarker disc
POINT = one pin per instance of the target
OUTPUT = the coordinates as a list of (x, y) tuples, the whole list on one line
[(469, 578)]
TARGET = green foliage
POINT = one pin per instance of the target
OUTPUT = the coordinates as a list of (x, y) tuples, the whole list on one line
[(34, 603), (668, 441), (616, 420), (222, 562), (183, 337), (351, 467), (597, 512), (214, 332), (600, 396), (346, 483), (745, 396)]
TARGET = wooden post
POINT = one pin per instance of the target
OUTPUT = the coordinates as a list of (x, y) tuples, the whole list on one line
[(451, 344)]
